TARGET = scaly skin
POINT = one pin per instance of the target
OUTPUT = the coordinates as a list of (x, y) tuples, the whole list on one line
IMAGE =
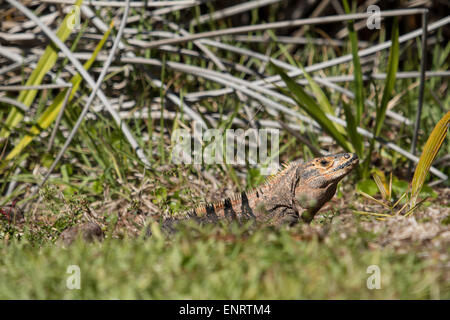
[(294, 194)]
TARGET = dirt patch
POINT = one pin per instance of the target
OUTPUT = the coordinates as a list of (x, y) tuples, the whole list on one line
[(426, 231)]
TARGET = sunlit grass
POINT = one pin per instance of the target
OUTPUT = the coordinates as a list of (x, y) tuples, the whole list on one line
[(217, 263)]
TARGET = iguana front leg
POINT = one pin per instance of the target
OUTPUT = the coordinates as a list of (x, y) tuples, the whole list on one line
[(310, 200)]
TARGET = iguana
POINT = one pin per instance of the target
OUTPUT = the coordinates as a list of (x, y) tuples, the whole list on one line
[(294, 194)]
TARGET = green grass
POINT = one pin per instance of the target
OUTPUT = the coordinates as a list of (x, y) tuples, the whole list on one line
[(218, 263)]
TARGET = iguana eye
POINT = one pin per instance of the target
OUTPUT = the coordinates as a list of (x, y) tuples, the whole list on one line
[(324, 162)]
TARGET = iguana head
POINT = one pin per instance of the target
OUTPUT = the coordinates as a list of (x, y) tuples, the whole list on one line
[(323, 171), (316, 181)]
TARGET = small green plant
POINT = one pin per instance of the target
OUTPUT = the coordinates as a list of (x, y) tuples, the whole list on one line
[(392, 204), (432, 146)]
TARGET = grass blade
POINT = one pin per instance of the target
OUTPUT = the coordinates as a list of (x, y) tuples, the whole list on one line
[(367, 196), (357, 72), (50, 114), (352, 132), (381, 185), (390, 79), (313, 109), (322, 99), (415, 207), (429, 152), (372, 213), (46, 62), (399, 199)]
